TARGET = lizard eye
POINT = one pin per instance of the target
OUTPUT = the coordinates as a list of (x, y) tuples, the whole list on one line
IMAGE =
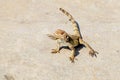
[(67, 37)]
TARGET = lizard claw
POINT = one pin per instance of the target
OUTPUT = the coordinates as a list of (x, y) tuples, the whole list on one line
[(71, 59), (55, 51), (93, 53)]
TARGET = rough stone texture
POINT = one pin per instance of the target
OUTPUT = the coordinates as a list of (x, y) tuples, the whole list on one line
[(25, 48)]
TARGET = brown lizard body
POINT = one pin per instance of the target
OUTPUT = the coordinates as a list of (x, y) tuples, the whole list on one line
[(71, 41)]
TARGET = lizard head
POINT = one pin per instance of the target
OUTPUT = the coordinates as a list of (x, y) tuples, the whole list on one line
[(61, 34)]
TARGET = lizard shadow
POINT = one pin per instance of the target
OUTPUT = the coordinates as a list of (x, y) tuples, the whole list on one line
[(77, 49), (78, 26)]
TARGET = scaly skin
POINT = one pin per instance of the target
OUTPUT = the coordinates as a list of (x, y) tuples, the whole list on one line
[(70, 40)]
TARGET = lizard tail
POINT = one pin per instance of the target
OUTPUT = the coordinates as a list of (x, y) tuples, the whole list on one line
[(74, 23)]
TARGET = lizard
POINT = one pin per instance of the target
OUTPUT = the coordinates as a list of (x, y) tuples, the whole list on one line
[(71, 41)]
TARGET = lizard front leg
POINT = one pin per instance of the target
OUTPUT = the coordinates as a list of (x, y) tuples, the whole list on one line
[(72, 56), (57, 50), (92, 52)]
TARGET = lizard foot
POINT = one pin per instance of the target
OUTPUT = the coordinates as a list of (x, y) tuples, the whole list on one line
[(93, 53), (72, 58), (55, 51)]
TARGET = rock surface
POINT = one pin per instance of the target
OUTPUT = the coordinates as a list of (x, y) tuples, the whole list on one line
[(25, 48)]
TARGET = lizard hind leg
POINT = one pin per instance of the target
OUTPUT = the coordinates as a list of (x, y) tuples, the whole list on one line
[(92, 52)]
